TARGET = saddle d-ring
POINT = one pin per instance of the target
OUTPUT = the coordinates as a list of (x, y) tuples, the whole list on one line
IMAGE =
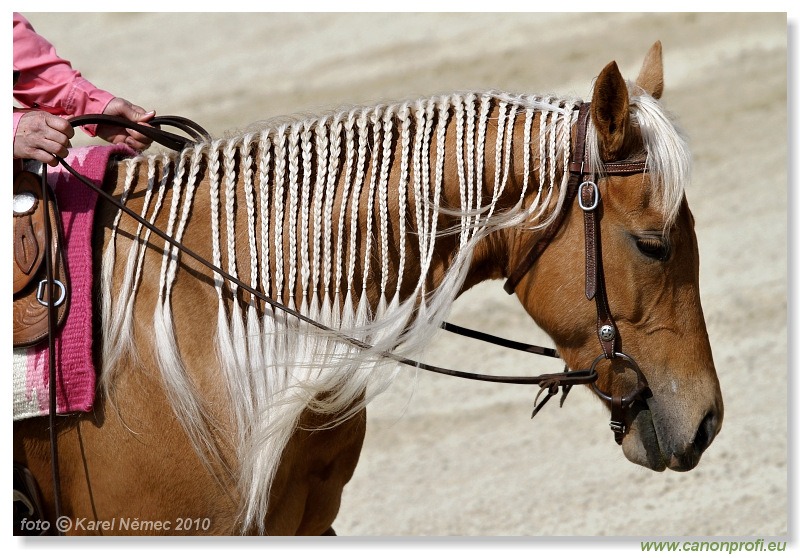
[(40, 292), (641, 384)]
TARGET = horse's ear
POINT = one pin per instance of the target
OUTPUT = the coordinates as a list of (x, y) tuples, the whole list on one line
[(651, 76), (610, 111)]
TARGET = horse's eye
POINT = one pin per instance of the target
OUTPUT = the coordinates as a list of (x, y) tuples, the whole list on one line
[(653, 247)]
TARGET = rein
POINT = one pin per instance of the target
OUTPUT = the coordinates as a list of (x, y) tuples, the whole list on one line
[(566, 378), (581, 180), (581, 185)]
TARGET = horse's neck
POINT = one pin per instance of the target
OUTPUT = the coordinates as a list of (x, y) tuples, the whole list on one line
[(519, 188), (417, 188), (379, 202)]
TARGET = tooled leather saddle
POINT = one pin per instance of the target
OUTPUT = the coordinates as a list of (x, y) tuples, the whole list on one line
[(30, 316)]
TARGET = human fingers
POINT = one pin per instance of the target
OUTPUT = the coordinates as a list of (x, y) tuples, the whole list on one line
[(40, 135), (28, 151), (59, 125), (56, 136), (124, 108), (138, 144), (135, 139)]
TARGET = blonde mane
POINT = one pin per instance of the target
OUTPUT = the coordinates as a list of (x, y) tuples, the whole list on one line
[(324, 200)]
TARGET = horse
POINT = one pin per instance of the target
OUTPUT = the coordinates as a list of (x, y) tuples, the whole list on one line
[(222, 414)]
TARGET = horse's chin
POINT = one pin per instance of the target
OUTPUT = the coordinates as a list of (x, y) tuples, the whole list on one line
[(641, 445)]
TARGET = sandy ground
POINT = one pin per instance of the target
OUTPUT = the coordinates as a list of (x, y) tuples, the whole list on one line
[(449, 457)]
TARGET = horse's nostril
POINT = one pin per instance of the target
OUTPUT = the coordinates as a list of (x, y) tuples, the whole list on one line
[(705, 432), (688, 459)]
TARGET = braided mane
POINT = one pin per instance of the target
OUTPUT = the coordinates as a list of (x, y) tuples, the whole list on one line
[(338, 217)]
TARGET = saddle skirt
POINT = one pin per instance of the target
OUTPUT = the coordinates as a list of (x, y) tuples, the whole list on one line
[(75, 367)]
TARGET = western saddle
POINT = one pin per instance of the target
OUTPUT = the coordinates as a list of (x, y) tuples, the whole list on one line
[(30, 317)]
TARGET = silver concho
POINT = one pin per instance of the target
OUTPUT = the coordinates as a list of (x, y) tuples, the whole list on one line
[(24, 202), (607, 333)]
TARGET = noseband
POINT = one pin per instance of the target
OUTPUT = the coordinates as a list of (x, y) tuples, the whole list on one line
[(582, 184)]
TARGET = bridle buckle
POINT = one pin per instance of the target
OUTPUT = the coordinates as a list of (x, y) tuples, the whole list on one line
[(592, 205)]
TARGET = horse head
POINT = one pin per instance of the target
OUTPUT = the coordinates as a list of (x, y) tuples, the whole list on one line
[(651, 270)]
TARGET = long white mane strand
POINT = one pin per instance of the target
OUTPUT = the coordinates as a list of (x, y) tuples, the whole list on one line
[(323, 200)]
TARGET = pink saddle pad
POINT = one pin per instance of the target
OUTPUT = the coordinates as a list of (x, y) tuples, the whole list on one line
[(75, 374)]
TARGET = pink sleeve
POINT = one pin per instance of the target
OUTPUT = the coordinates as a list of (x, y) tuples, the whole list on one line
[(48, 81), (17, 116)]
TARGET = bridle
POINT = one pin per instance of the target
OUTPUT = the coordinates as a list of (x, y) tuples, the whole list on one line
[(581, 185)]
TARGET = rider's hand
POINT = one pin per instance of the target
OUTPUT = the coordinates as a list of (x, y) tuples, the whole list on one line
[(116, 134), (40, 136)]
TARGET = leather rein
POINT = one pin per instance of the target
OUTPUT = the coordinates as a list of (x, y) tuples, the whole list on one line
[(551, 382), (581, 185)]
